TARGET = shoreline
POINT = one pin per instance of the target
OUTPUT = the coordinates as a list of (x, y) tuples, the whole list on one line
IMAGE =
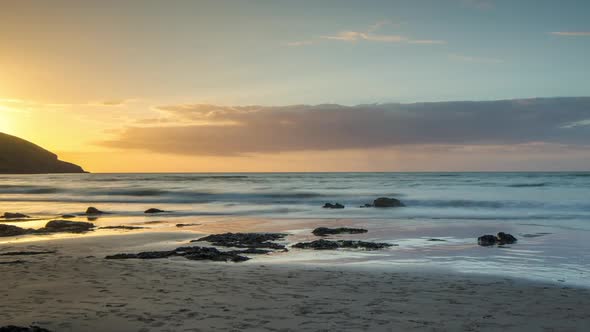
[(76, 289)]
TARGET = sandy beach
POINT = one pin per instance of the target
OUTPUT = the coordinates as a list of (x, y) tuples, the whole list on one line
[(76, 289)]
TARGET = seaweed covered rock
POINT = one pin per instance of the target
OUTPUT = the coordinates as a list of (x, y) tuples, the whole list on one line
[(192, 253), (385, 202), (501, 239), (56, 226), (331, 245), (245, 240), (323, 231), (333, 206)]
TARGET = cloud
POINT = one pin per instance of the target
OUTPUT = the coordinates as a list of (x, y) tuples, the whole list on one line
[(571, 33), (368, 35), (201, 129), (472, 59), (300, 43)]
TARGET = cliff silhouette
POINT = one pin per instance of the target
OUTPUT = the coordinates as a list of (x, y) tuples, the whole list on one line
[(18, 156)]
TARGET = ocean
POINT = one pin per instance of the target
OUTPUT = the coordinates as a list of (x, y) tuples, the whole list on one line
[(548, 212)]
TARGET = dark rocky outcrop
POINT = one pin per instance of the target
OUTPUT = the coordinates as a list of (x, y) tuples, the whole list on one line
[(366, 205), (245, 240), (68, 216), (92, 210), (14, 215), (66, 226), (32, 328), (385, 202), (18, 156), (192, 253), (331, 245), (153, 210), (333, 206), (10, 230), (186, 225), (54, 226), (501, 239), (323, 231)]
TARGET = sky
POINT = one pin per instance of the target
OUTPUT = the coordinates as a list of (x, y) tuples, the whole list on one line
[(277, 85)]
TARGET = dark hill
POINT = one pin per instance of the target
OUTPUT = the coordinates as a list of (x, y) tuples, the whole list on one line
[(18, 156)]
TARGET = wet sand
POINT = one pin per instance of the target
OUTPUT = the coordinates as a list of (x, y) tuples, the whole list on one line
[(76, 289)]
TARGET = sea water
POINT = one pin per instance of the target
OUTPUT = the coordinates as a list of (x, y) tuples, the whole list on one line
[(548, 212)]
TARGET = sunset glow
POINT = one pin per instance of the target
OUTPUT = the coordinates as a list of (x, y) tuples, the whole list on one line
[(88, 81)]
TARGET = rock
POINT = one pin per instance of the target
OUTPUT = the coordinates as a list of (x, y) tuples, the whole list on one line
[(367, 205), (317, 245), (331, 245), (487, 240), (10, 230), (68, 216), (186, 225), (153, 210), (57, 226), (333, 206), (32, 328), (192, 253), (93, 210), (209, 253), (251, 251), (437, 240), (504, 238), (323, 231), (26, 253), (144, 255), (501, 239), (11, 215), (122, 227), (385, 202), (18, 156), (245, 240)]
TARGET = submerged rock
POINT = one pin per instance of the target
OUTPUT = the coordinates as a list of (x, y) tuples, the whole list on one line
[(55, 226), (385, 202), (245, 240), (323, 231), (501, 239), (14, 215), (10, 230), (333, 206), (331, 245), (122, 227), (93, 210), (68, 216), (366, 205), (153, 210), (192, 253), (186, 225), (26, 253)]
